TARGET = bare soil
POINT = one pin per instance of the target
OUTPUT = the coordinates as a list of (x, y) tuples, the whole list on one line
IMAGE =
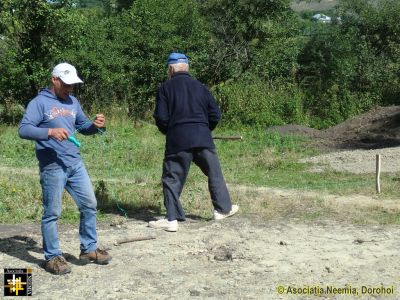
[(378, 128), (352, 146), (243, 257)]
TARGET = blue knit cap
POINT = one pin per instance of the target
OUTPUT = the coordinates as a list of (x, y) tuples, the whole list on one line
[(177, 58)]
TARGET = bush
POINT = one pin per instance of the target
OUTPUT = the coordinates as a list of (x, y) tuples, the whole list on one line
[(254, 102), (11, 112)]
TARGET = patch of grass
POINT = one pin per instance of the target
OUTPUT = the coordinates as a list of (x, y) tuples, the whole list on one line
[(19, 198), (379, 216), (125, 167), (267, 159), (15, 151)]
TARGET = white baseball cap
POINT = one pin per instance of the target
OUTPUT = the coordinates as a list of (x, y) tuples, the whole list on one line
[(67, 73)]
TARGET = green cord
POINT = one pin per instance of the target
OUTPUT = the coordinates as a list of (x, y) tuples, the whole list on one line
[(104, 149), (84, 124)]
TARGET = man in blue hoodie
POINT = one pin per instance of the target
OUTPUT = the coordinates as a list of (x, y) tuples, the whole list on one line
[(50, 119), (186, 113)]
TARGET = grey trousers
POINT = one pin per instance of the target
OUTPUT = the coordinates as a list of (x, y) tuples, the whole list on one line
[(175, 169)]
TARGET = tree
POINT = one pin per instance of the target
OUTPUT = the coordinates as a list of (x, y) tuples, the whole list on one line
[(240, 27), (348, 67), (34, 35)]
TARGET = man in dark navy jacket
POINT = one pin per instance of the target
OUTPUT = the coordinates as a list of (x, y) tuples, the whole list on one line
[(186, 113)]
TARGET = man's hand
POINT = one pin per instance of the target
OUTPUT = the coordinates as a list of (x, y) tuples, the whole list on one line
[(99, 121), (59, 134)]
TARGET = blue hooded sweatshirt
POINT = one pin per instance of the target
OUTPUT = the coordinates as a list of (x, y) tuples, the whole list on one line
[(48, 111)]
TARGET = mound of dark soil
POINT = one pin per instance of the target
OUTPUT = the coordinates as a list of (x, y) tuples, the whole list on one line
[(298, 130), (378, 128)]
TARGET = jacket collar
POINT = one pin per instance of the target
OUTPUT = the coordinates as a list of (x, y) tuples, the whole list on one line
[(181, 73)]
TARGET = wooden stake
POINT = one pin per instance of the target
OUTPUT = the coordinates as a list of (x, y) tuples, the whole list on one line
[(378, 173), (129, 240), (239, 137)]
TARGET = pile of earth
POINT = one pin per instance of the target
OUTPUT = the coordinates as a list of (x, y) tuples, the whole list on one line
[(376, 129)]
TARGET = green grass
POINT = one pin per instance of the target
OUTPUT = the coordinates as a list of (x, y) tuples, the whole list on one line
[(125, 167)]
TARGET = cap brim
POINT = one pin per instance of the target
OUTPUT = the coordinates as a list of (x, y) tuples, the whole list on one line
[(71, 79), (178, 61)]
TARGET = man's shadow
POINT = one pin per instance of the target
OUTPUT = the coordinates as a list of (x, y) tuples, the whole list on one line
[(144, 212), (21, 246)]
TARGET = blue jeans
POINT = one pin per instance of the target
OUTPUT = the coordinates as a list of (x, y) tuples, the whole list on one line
[(75, 179)]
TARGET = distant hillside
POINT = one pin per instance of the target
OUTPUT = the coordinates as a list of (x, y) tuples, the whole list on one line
[(89, 3), (314, 5)]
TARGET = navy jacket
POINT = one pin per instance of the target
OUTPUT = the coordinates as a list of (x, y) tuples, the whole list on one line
[(186, 113)]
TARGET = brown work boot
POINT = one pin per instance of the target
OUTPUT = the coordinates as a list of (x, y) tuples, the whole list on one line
[(100, 257), (57, 265)]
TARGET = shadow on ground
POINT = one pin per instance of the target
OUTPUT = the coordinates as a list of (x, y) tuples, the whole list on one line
[(19, 247), (139, 211)]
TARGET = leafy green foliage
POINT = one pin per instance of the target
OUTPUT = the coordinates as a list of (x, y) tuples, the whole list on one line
[(252, 102), (350, 66), (266, 64), (239, 28), (89, 3), (32, 41)]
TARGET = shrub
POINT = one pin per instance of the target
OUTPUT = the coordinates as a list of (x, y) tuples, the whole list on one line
[(11, 112), (258, 103)]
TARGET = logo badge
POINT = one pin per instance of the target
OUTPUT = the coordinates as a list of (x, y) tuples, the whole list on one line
[(17, 282)]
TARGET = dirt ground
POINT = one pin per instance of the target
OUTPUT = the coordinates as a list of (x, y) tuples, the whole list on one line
[(376, 129), (243, 257), (352, 146)]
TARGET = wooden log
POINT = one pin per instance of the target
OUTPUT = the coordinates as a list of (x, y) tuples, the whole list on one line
[(378, 173)]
